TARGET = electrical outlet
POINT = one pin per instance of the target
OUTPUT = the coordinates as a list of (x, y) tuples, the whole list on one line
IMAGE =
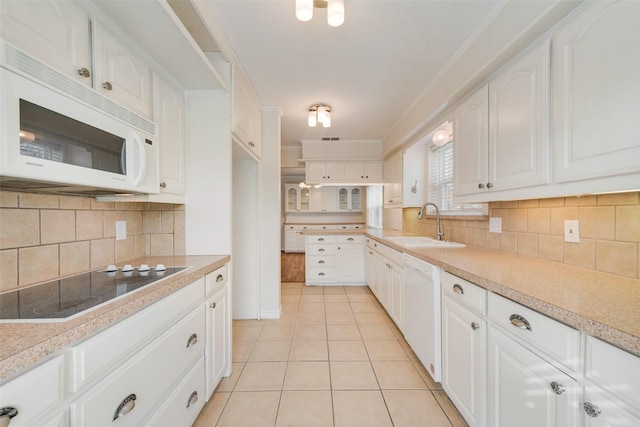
[(495, 225), (121, 230), (572, 231)]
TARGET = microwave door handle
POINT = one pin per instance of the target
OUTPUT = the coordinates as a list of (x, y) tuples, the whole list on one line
[(142, 159), (123, 158)]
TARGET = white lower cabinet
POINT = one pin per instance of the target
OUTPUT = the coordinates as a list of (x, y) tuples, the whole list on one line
[(218, 352), (384, 278), (349, 259), (600, 408), (335, 260), (526, 390)]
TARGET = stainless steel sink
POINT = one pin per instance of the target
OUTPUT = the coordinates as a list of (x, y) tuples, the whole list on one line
[(423, 242)]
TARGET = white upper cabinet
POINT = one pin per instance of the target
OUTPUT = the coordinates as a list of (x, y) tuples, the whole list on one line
[(501, 133), (349, 199), (298, 199), (597, 90), (245, 115), (344, 172), (119, 73), (55, 32), (393, 180)]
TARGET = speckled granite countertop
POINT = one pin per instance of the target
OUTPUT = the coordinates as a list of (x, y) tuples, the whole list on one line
[(603, 305), (24, 344)]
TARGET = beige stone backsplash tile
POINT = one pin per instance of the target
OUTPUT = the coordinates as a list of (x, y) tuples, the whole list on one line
[(597, 222), (75, 257), (532, 203), (57, 226), (8, 199), (134, 222), (539, 220), (19, 228), (9, 269), (140, 245), (479, 237), (619, 199), (518, 219), (628, 223), (558, 217), (528, 244), (503, 214), (102, 252), (75, 203), (493, 240), (509, 242), (102, 206), (617, 257), (580, 201), (89, 225), (125, 249), (167, 221), (554, 202), (109, 219), (550, 247), (152, 222), (40, 201), (37, 264), (581, 254)]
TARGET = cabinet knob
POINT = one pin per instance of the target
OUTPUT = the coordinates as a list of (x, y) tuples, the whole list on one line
[(220, 278), (520, 322), (458, 289), (6, 414), (126, 406), (591, 409), (212, 305), (193, 339), (475, 326), (321, 239), (192, 399), (163, 184), (481, 185), (557, 388), (107, 86), (489, 185), (84, 72)]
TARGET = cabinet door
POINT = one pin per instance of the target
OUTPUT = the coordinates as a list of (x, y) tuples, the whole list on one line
[(292, 199), (343, 199), (355, 199), (464, 337), (291, 239), (354, 171), (349, 262), (119, 73), (55, 32), (519, 110), (168, 113), (370, 265), (396, 293), (602, 409), (336, 171), (218, 355), (373, 171), (315, 172), (470, 149), (324, 199), (521, 387), (597, 64)]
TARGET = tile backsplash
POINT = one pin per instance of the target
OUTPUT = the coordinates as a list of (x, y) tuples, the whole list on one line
[(47, 236), (609, 230)]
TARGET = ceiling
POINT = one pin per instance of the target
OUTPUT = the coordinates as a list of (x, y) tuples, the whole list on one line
[(371, 70)]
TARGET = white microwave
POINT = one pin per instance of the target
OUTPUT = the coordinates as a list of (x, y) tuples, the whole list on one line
[(53, 142)]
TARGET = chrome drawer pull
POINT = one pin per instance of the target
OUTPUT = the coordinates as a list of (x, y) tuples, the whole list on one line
[(557, 388), (591, 409), (192, 399), (458, 289), (320, 274), (220, 278), (6, 414), (212, 305), (126, 406), (321, 262), (321, 239), (350, 239), (520, 322), (321, 250), (193, 339)]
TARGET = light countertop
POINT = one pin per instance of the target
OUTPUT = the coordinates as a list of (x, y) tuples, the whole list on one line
[(26, 343)]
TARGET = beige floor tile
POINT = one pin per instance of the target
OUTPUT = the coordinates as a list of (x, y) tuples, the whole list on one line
[(305, 408), (426, 377), (385, 350), (312, 298), (398, 375), (360, 409), (250, 409), (374, 331), (337, 307), (315, 290), (352, 376), (229, 383), (246, 331), (335, 298), (312, 307), (369, 318), (290, 298), (343, 332), (210, 414), (449, 408), (277, 332), (240, 350), (347, 350), (261, 376), (334, 290), (409, 408), (270, 351), (345, 318), (361, 290), (364, 307), (307, 376), (305, 350), (360, 297), (311, 318), (310, 332)]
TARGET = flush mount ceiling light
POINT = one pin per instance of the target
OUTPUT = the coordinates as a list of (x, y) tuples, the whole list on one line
[(335, 10), (319, 113)]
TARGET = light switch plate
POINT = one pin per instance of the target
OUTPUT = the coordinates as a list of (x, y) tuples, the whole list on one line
[(495, 225), (572, 231), (121, 230)]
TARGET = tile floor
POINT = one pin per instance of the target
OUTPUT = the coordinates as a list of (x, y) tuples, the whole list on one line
[(334, 358)]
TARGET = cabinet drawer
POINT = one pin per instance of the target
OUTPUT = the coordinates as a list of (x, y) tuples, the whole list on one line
[(465, 292), (320, 261), (34, 391), (103, 351), (613, 369), (148, 377), (550, 336), (350, 239), (320, 274), (321, 239), (217, 279), (321, 249), (185, 403), (395, 256)]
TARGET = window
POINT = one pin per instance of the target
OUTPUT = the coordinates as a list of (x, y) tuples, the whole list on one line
[(374, 206), (440, 178)]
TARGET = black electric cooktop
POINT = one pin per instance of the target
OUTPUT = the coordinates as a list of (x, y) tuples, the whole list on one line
[(62, 299)]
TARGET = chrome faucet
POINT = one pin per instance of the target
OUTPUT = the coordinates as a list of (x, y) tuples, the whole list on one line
[(439, 229)]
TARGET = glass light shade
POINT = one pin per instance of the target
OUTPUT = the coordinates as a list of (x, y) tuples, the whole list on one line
[(335, 12), (322, 114), (312, 120), (440, 137), (326, 123), (304, 10)]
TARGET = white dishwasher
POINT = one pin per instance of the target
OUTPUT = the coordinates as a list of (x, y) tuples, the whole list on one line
[(422, 309)]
